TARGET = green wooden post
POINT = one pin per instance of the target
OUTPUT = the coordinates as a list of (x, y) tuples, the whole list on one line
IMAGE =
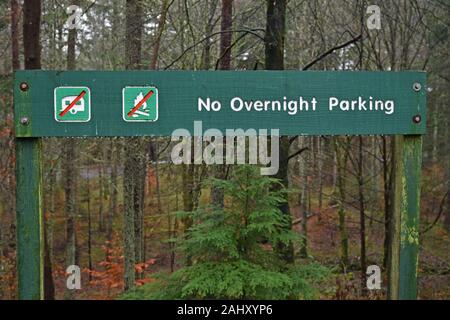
[(29, 218), (405, 218)]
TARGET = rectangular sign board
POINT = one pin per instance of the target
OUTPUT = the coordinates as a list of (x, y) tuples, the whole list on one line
[(144, 103)]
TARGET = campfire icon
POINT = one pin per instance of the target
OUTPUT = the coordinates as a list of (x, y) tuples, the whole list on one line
[(139, 98)]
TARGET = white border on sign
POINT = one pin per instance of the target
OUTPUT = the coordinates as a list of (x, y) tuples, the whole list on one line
[(56, 109), (123, 103)]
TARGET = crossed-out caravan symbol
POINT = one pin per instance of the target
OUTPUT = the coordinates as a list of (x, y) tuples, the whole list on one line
[(78, 106), (72, 104)]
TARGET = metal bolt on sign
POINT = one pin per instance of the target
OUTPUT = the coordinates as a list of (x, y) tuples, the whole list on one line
[(24, 121)]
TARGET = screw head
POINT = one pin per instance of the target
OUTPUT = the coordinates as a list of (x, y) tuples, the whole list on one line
[(24, 121), (24, 86), (417, 118), (417, 86)]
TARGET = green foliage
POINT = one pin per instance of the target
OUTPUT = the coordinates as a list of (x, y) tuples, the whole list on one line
[(231, 249), (250, 216), (234, 280)]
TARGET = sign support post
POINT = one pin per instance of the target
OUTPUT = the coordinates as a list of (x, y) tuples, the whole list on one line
[(29, 213), (29, 218), (404, 249)]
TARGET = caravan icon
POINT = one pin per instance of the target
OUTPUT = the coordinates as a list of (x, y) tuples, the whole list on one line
[(79, 101), (79, 105)]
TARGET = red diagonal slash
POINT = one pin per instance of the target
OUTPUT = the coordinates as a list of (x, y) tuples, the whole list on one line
[(140, 103), (70, 106)]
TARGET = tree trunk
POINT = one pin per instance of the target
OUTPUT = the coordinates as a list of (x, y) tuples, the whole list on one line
[(275, 33), (71, 43), (274, 60), (362, 213), (133, 147), (217, 195), (226, 35), (88, 208), (15, 10), (335, 172), (320, 177), (387, 167), (447, 214), (140, 237), (341, 150), (70, 181), (112, 211), (303, 199), (129, 214), (69, 191), (286, 251), (187, 176), (157, 42), (209, 27), (101, 196), (375, 180), (32, 57), (31, 33)]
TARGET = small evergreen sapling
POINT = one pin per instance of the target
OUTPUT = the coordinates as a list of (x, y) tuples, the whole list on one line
[(231, 248)]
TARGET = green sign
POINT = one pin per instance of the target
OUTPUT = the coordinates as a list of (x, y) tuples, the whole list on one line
[(140, 104), (294, 102), (72, 104), (58, 104)]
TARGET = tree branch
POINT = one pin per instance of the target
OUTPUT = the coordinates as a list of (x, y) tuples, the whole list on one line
[(229, 48), (297, 153), (330, 51), (251, 31), (441, 209)]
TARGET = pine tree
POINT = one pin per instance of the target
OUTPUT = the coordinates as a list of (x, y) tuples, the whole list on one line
[(232, 248)]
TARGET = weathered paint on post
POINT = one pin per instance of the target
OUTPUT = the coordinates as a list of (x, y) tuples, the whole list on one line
[(409, 237), (394, 224), (29, 218), (405, 218)]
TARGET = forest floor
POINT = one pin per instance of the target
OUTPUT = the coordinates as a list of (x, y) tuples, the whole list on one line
[(323, 247), (105, 280)]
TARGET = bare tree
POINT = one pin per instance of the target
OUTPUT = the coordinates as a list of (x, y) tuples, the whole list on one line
[(133, 148), (15, 10), (217, 196), (274, 60), (70, 173)]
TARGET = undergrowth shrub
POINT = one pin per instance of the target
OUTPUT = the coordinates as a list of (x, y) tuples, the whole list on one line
[(231, 249)]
